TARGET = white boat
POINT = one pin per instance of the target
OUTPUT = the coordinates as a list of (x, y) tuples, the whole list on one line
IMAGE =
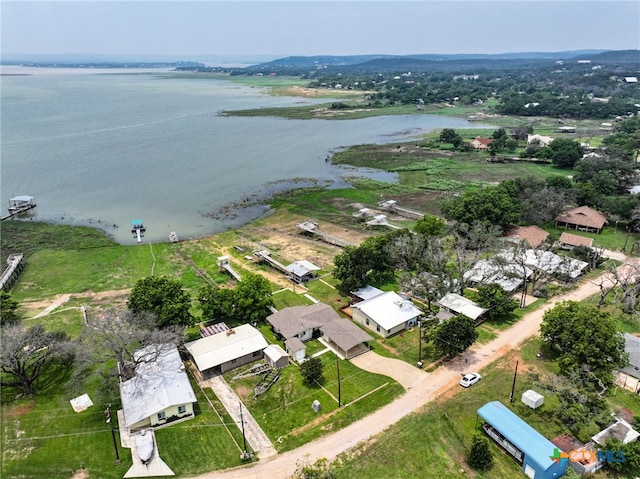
[(144, 446), (173, 237)]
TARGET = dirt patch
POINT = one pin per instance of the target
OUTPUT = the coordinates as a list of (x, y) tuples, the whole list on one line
[(316, 422), (80, 474), (392, 350), (19, 410)]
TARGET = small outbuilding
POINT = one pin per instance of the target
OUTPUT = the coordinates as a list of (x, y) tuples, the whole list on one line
[(454, 304), (275, 356), (296, 348), (532, 399), (530, 449)]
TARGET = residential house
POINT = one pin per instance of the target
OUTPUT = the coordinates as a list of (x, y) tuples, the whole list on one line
[(155, 389), (540, 139), (509, 276), (302, 322), (620, 430), (479, 143), (533, 235), (570, 241), (632, 347), (228, 350), (387, 313), (452, 304), (547, 262), (582, 218)]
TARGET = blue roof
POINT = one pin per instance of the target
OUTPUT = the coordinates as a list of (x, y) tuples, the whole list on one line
[(535, 446)]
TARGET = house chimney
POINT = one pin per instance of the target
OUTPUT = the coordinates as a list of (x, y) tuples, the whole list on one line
[(230, 332)]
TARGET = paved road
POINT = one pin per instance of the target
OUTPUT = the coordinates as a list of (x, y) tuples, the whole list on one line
[(422, 391)]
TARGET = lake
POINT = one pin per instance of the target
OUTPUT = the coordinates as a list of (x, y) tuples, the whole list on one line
[(103, 149)]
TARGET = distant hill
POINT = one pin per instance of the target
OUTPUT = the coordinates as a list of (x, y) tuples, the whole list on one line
[(323, 61)]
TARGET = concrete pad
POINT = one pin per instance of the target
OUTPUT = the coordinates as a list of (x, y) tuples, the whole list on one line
[(156, 466)]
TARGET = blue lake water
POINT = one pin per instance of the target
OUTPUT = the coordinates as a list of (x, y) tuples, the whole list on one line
[(105, 149)]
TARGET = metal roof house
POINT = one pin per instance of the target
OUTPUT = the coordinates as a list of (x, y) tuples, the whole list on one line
[(527, 446), (159, 391), (228, 350), (456, 304), (387, 313), (509, 276)]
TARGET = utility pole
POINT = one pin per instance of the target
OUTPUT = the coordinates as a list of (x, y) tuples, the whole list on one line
[(107, 413), (419, 344), (339, 391), (513, 387), (245, 455)]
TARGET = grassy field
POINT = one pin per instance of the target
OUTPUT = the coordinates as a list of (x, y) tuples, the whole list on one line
[(44, 437), (284, 412), (432, 443)]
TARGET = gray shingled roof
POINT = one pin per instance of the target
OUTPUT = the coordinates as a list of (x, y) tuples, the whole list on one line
[(344, 333), (294, 320)]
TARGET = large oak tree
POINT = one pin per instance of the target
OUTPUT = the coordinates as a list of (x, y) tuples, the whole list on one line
[(586, 337)]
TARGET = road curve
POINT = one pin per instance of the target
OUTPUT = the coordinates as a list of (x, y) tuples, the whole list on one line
[(420, 393)]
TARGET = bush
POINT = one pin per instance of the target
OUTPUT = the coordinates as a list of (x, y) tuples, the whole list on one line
[(479, 454), (312, 371)]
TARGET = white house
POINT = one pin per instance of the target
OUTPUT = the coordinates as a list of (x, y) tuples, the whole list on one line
[(541, 139), (387, 313), (228, 350), (159, 390), (509, 276)]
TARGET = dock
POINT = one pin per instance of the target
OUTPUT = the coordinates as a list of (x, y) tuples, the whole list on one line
[(138, 229), (265, 255), (225, 265), (15, 265), (313, 229), (18, 205), (392, 205)]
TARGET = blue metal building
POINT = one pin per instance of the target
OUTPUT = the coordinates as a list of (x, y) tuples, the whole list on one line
[(527, 446)]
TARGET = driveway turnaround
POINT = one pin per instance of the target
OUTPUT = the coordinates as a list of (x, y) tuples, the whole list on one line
[(406, 374), (421, 392)]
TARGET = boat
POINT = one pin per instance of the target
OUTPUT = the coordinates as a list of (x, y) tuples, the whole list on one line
[(173, 237), (144, 446)]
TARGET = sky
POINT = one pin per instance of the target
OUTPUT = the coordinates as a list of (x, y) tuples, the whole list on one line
[(304, 27)]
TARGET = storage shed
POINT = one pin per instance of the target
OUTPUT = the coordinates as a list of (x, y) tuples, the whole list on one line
[(527, 446), (532, 399), (275, 356), (296, 348)]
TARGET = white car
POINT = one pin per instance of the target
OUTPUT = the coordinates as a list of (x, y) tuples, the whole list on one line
[(470, 379)]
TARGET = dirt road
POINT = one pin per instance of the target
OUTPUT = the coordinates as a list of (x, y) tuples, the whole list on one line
[(420, 393)]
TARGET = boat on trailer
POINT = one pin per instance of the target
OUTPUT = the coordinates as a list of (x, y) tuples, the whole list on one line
[(144, 446)]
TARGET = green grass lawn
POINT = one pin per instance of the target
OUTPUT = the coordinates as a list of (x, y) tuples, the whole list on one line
[(432, 443), (44, 437), (284, 412)]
